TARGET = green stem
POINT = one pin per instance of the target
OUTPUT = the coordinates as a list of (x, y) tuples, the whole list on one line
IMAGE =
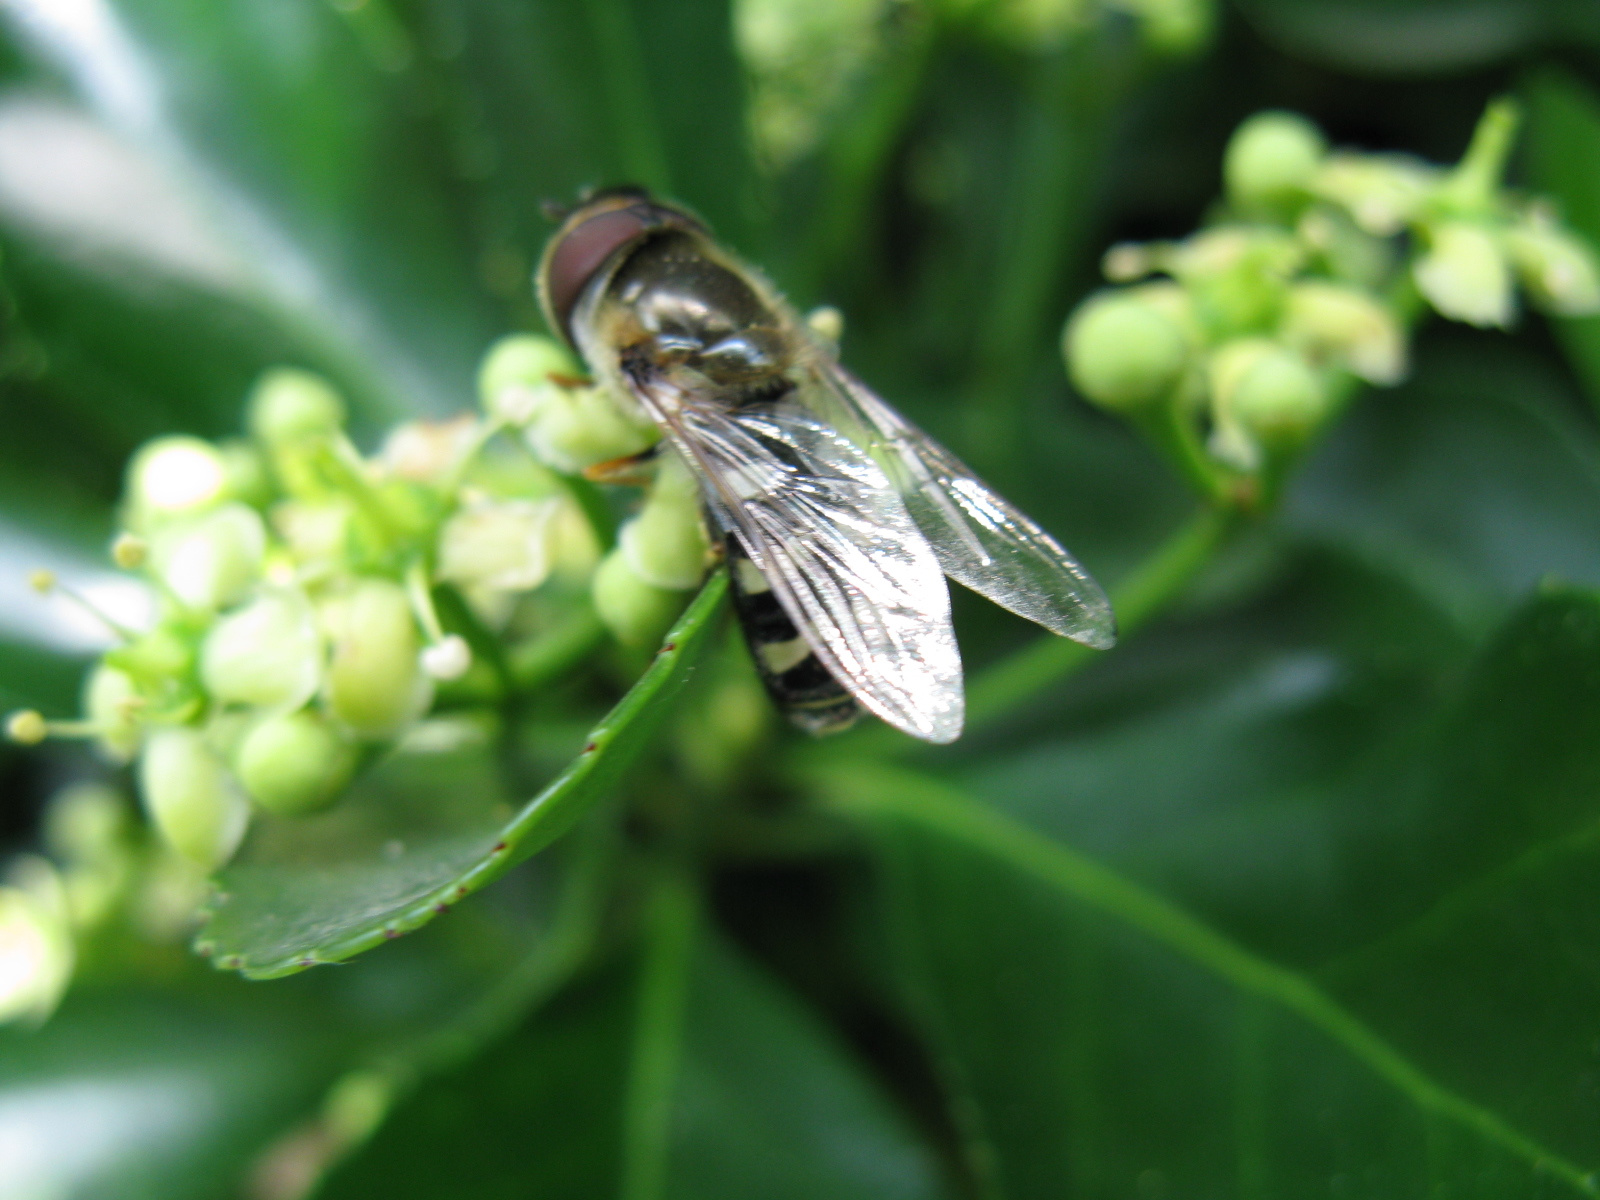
[(1153, 585), (671, 922)]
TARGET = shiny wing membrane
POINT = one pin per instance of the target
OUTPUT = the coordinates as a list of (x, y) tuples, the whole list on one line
[(831, 535), (980, 538)]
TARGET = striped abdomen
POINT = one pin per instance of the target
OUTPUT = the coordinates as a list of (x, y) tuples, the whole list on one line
[(799, 684)]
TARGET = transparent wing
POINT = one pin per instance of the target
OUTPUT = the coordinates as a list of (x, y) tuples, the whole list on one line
[(980, 538), (832, 537)]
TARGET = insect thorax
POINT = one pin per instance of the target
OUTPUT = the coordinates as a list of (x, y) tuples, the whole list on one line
[(676, 310)]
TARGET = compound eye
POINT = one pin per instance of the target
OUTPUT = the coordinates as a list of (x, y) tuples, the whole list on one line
[(582, 250)]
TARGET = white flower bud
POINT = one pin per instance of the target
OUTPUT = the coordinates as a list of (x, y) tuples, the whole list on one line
[(666, 543), (375, 684), (448, 658), (293, 763), (1556, 267), (111, 702), (1465, 275), (36, 950), (267, 654), (1271, 159), (173, 476), (191, 797), (428, 451), (319, 534), (289, 405), (637, 613), (1123, 351), (1346, 326), (499, 545), (211, 561)]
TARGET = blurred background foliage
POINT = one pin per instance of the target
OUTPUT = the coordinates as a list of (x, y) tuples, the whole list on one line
[(1294, 894)]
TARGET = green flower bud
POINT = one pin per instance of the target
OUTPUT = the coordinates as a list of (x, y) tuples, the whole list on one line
[(1556, 267), (249, 480), (1345, 326), (190, 796), (1175, 27), (267, 654), (574, 428), (637, 613), (174, 476), (375, 684), (36, 950), (499, 545), (1271, 160), (1268, 392), (111, 701), (1465, 275), (293, 763), (1382, 193), (211, 561), (290, 405), (1124, 352), (84, 822), (515, 376), (160, 654), (319, 534), (666, 545)]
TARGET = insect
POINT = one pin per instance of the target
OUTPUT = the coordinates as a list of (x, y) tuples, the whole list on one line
[(839, 517)]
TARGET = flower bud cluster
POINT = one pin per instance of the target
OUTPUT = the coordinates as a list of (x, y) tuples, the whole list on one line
[(299, 586), (1237, 344), (1166, 26)]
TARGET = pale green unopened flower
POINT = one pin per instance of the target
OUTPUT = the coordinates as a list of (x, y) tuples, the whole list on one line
[(191, 797), (1271, 160), (290, 405), (36, 948), (499, 545), (1123, 351), (1171, 26), (319, 533), (1382, 193), (1465, 275), (515, 376), (267, 654), (1267, 391), (1330, 322), (637, 613), (665, 544), (1556, 267), (375, 684), (86, 828), (210, 561), (574, 428), (172, 477), (111, 702), (293, 763)]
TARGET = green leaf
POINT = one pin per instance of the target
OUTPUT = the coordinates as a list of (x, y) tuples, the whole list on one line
[(1418, 37), (424, 831), (1280, 937), (758, 1098), (1474, 481)]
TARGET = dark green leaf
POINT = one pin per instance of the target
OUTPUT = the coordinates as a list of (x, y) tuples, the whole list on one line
[(1296, 933), (423, 832)]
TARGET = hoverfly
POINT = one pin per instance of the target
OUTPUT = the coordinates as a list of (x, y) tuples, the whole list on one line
[(840, 518)]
